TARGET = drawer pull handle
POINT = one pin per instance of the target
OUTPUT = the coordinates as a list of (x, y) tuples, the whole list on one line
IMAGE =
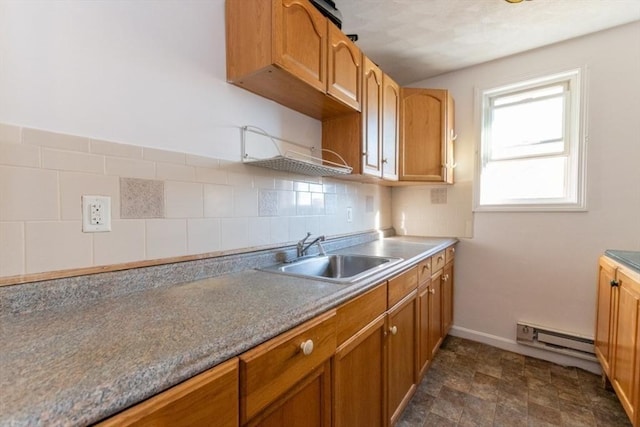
[(393, 330), (307, 347), (614, 283), (445, 277), (440, 258), (453, 250), (432, 291)]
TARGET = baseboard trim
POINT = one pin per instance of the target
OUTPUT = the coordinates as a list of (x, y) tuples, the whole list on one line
[(512, 345)]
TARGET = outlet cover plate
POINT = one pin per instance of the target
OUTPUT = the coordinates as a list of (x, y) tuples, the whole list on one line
[(96, 214)]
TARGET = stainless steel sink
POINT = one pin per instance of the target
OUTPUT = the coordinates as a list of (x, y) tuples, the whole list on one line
[(334, 268)]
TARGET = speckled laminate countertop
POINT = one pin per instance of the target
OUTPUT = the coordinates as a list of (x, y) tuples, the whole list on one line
[(76, 365), (629, 258)]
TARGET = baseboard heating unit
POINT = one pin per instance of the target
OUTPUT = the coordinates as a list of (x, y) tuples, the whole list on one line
[(554, 340)]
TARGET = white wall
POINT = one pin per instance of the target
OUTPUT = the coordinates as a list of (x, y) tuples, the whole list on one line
[(95, 91), (541, 267), (149, 73)]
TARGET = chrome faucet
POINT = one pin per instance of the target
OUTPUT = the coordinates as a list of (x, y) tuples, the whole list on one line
[(302, 249)]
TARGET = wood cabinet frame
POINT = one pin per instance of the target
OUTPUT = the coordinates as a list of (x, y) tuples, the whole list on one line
[(617, 343)]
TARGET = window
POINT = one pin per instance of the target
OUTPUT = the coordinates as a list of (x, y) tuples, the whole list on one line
[(531, 150)]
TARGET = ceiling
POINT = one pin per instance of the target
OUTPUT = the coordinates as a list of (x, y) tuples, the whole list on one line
[(412, 40)]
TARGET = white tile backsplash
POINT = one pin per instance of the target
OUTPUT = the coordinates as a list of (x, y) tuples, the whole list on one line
[(183, 200), (234, 233), (12, 248), (218, 201), (74, 185), (166, 238), (28, 194), (203, 235), (124, 243), (245, 202), (53, 246), (173, 204)]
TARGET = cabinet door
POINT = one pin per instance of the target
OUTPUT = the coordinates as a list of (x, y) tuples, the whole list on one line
[(206, 399), (424, 349), (359, 378), (402, 355), (605, 305), (450, 138), (300, 41), (390, 127), (371, 113), (447, 299), (344, 68), (308, 404), (625, 358), (423, 134), (272, 369), (435, 312)]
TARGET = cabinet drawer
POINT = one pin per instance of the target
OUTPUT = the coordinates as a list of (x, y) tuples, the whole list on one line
[(206, 399), (358, 313), (401, 285), (424, 270), (450, 253), (272, 368), (438, 261)]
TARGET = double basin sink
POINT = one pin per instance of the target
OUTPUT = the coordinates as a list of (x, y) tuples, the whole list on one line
[(334, 268)]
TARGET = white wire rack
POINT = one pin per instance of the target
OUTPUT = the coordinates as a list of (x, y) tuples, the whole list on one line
[(292, 160)]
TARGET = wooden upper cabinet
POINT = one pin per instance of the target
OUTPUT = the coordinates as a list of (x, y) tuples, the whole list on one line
[(344, 67), (426, 135), (279, 49), (371, 118), (300, 41), (390, 127), (368, 141)]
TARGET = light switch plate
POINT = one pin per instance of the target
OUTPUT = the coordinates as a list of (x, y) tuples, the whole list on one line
[(96, 214)]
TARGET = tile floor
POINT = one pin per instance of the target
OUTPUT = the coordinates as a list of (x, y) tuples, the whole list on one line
[(473, 384)]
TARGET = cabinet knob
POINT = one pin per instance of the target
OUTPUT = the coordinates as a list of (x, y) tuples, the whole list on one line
[(384, 160), (614, 283), (453, 250), (445, 277), (307, 347), (393, 330), (432, 291)]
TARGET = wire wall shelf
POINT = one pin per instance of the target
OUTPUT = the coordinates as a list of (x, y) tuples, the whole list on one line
[(289, 160)]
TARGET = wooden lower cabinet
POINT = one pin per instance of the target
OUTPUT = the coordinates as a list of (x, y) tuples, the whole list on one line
[(626, 356), (289, 375), (435, 314), (618, 332), (604, 326), (356, 365), (210, 398), (307, 404), (447, 299), (401, 370), (359, 378)]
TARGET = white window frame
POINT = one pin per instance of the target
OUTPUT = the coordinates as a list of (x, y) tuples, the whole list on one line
[(574, 140)]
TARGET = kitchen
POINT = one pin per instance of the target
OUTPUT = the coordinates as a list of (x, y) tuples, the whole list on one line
[(94, 93)]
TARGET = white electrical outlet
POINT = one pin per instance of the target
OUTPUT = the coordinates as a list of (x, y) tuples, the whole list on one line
[(349, 215), (96, 214)]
